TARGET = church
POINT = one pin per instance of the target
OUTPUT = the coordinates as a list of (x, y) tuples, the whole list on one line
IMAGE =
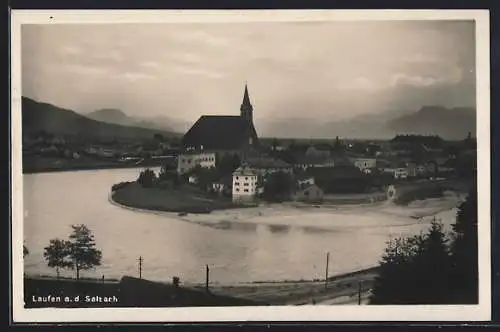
[(225, 133)]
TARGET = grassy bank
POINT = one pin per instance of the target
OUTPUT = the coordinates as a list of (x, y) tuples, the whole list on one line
[(169, 200), (128, 292), (432, 189)]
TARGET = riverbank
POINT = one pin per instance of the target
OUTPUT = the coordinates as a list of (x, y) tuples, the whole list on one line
[(37, 165), (182, 200), (347, 288), (411, 192)]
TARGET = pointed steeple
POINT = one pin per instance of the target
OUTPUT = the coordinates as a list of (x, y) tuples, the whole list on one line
[(246, 98), (246, 108)]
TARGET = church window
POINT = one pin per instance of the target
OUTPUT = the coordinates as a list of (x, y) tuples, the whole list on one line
[(246, 177), (246, 184), (236, 183), (237, 189), (246, 190), (236, 178)]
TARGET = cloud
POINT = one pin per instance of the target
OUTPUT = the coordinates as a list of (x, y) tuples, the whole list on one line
[(83, 70), (113, 55), (451, 76), (421, 58), (360, 83), (135, 76), (198, 72), (70, 50), (150, 64)]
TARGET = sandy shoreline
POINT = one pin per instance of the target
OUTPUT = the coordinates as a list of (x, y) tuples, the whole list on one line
[(343, 288)]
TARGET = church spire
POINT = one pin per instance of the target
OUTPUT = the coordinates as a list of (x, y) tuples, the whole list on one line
[(246, 108), (246, 98)]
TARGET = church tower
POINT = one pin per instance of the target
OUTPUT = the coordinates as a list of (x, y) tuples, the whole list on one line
[(246, 109)]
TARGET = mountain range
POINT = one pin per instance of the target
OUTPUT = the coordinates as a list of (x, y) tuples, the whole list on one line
[(449, 123), (116, 116), (37, 116)]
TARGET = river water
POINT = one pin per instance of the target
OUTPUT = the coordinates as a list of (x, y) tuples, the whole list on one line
[(255, 244)]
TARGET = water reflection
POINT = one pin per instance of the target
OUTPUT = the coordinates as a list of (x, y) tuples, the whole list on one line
[(238, 245)]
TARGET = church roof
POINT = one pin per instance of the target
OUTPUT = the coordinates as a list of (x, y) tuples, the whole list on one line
[(218, 132)]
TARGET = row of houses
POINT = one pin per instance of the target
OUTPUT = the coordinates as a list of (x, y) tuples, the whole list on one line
[(397, 168), (347, 171)]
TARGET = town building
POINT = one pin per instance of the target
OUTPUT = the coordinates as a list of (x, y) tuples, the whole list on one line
[(267, 165), (366, 165), (223, 185), (398, 171), (310, 161), (244, 184), (310, 194), (188, 160), (319, 150), (225, 133), (340, 179), (304, 180)]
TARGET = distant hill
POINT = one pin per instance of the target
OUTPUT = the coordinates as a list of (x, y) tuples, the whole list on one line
[(449, 123), (37, 116), (117, 116), (453, 123), (364, 126)]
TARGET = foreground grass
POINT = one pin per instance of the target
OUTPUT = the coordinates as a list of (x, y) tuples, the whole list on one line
[(128, 292)]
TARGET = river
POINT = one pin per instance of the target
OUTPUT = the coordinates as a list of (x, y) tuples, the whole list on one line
[(265, 243)]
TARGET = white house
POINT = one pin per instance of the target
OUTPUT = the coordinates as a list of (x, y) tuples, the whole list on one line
[(189, 160), (304, 180), (244, 184), (397, 172), (306, 162), (365, 164)]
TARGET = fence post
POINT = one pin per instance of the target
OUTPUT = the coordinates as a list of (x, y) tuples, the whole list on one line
[(207, 278), (326, 271)]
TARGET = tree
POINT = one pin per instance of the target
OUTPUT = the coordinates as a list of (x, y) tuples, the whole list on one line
[(83, 254), (158, 137), (147, 178), (465, 251), (57, 254), (415, 270), (278, 186), (25, 251), (227, 163)]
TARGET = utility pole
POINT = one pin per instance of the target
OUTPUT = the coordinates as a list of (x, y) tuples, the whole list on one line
[(207, 276), (359, 291), (140, 267), (326, 271)]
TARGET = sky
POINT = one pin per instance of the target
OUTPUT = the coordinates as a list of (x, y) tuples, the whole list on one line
[(325, 70)]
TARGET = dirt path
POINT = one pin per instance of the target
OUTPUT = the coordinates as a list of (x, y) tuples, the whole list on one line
[(342, 290)]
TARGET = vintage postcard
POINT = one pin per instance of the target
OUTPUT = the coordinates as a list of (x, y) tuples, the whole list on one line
[(191, 166)]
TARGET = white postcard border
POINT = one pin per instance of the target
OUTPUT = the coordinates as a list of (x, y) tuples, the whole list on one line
[(481, 312)]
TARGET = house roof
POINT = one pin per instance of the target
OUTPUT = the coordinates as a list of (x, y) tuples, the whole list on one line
[(266, 162), (244, 171), (311, 160), (337, 172), (219, 132)]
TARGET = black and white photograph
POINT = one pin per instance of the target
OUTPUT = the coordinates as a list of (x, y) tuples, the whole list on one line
[(262, 165)]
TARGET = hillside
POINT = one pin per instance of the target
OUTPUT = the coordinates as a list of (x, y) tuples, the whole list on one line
[(449, 123), (116, 116), (38, 116)]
